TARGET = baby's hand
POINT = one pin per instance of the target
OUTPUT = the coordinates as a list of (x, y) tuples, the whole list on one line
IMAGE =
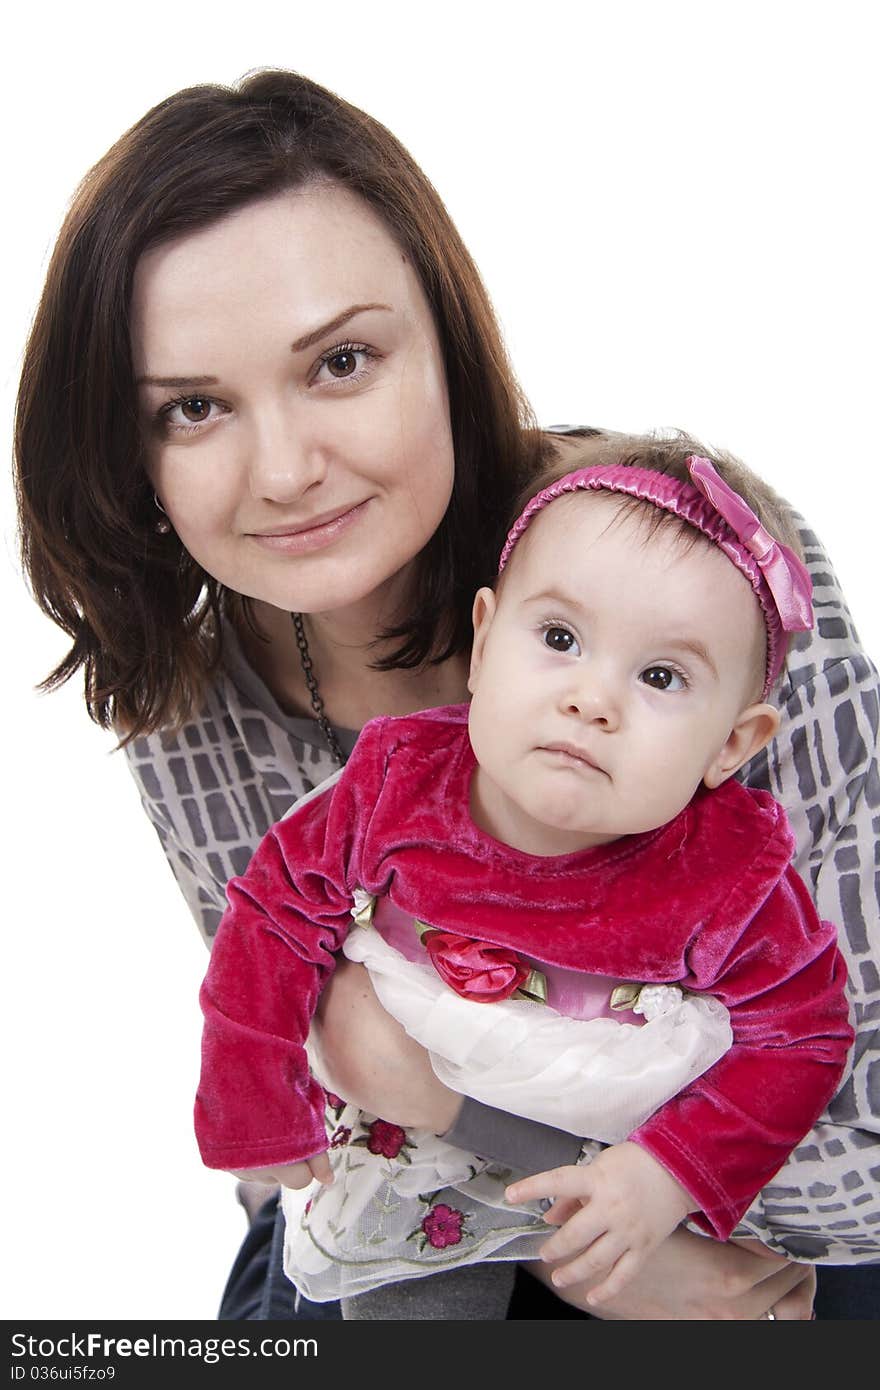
[(612, 1214), (291, 1174)]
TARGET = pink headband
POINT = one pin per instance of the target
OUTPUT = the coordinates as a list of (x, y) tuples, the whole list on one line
[(781, 582)]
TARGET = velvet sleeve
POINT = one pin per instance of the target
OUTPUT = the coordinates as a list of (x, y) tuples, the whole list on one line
[(257, 1104), (783, 981)]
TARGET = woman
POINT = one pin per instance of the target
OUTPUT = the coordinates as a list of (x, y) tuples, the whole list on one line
[(267, 439)]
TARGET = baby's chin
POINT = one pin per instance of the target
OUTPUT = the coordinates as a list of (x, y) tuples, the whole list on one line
[(553, 830)]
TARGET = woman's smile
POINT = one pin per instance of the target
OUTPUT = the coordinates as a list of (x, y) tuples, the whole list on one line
[(299, 538), (318, 460)]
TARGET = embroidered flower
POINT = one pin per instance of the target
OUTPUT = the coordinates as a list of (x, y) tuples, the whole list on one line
[(385, 1139), (442, 1226), (474, 969), (335, 1102), (340, 1136)]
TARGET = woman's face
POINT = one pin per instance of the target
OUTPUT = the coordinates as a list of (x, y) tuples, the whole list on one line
[(293, 399)]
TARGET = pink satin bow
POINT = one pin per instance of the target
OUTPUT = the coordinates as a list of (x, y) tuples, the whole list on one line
[(785, 576)]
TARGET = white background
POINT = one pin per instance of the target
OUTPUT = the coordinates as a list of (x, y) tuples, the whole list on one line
[(674, 208)]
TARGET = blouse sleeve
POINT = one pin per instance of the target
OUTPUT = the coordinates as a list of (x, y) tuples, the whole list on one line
[(258, 1104), (198, 875), (824, 1203), (213, 788)]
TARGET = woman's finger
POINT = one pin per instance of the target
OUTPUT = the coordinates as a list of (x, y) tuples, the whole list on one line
[(788, 1294), (796, 1305)]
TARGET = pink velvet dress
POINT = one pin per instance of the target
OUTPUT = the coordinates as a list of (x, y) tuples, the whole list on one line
[(708, 905)]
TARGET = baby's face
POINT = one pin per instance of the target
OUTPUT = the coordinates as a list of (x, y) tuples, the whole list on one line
[(608, 678)]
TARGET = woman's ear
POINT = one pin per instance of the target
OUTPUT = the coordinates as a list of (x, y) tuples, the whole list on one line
[(753, 730), (483, 613)]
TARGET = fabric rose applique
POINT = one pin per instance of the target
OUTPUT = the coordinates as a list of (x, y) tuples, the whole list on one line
[(477, 971)]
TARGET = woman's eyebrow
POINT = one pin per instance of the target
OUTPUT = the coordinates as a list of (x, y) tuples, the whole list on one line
[(306, 341), (176, 381), (309, 339)]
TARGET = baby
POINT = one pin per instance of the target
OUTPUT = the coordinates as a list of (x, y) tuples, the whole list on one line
[(524, 869)]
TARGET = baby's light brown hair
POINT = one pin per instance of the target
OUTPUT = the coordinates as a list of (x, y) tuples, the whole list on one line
[(667, 454)]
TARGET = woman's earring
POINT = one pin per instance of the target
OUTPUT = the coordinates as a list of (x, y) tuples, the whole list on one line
[(163, 525)]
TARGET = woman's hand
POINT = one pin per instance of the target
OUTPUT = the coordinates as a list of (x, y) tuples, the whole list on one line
[(362, 1054), (694, 1278)]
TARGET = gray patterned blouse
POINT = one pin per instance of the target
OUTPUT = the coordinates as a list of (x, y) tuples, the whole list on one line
[(214, 787)]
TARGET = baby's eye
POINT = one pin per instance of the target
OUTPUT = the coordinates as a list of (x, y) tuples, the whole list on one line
[(559, 639), (663, 678)]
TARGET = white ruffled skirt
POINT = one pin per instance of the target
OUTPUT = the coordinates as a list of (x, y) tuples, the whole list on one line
[(404, 1203)]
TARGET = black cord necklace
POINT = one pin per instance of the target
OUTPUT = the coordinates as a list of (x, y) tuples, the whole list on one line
[(314, 693)]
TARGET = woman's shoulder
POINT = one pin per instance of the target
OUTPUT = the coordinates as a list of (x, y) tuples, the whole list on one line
[(213, 786), (833, 642), (238, 734)]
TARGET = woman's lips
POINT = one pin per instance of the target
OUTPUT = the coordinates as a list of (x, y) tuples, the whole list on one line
[(306, 536)]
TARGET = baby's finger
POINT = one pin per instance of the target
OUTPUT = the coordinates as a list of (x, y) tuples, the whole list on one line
[(556, 1182), (320, 1166), (590, 1264), (576, 1235), (621, 1273), (562, 1210)]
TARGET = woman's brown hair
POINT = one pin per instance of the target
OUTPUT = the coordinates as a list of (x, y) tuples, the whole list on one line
[(144, 618)]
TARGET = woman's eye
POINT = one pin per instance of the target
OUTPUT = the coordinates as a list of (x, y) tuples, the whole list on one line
[(346, 362), (195, 410), (559, 639), (342, 364), (188, 412), (662, 678)]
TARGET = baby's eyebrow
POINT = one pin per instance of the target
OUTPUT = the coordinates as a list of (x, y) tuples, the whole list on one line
[(668, 643), (695, 648), (556, 596)]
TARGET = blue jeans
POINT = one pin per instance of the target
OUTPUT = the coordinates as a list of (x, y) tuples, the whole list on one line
[(259, 1290)]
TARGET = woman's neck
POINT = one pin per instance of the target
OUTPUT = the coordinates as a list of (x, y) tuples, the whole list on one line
[(343, 660)]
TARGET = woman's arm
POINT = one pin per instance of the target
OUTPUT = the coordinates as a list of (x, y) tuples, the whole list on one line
[(213, 788), (691, 1278), (824, 1203)]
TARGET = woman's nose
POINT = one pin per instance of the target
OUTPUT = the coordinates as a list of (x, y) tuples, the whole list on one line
[(285, 457)]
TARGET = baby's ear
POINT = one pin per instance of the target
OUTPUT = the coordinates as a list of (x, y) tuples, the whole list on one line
[(753, 730), (483, 613)]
